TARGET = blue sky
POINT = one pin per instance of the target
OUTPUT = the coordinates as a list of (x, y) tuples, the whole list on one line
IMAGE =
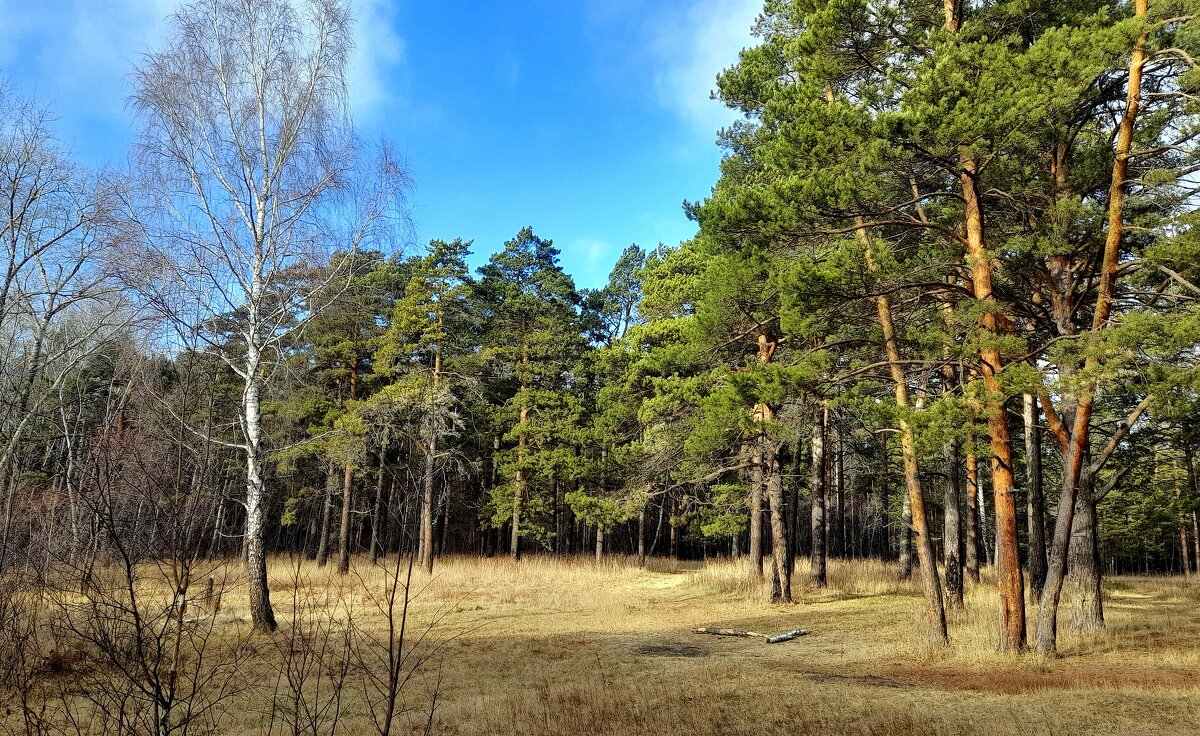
[(588, 119)]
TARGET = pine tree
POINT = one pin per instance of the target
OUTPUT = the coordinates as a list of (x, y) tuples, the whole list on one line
[(423, 357), (531, 343)]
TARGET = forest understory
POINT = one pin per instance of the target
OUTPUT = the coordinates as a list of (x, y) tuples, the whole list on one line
[(566, 645)]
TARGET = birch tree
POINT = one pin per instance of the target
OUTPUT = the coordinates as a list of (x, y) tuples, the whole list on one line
[(247, 156)]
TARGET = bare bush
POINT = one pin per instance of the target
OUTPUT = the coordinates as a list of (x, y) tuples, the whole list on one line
[(392, 659), (136, 622), (314, 649)]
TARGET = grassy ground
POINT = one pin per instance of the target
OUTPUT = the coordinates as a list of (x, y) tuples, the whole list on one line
[(553, 646)]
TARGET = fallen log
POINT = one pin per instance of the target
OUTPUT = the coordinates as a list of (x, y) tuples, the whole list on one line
[(769, 638), (727, 632)]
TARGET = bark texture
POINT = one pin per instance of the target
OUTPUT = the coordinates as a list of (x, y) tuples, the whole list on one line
[(378, 515), (817, 571), (1083, 567), (262, 615), (972, 526), (952, 539), (323, 546), (755, 503), (344, 529), (1036, 505), (782, 575), (426, 543)]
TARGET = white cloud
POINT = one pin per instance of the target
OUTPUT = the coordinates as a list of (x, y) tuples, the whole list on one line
[(592, 255), (377, 58), (77, 54), (691, 45)]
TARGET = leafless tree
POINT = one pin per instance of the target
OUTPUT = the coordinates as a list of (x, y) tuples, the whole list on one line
[(58, 301), (248, 161)]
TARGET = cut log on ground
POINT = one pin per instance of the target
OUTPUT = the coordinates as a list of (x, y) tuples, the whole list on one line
[(727, 632), (769, 638)]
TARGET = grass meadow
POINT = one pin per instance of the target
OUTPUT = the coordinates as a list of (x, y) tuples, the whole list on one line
[(570, 646)]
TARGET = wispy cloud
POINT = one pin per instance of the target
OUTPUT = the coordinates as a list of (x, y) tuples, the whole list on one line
[(377, 59), (77, 54), (674, 51), (593, 255), (692, 45)]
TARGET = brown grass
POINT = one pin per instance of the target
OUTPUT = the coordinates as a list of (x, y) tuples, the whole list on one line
[(566, 646)]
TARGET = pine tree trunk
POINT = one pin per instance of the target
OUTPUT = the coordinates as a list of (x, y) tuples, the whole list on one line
[(1077, 442), (952, 500), (347, 491), (674, 533), (557, 512), (827, 483), (447, 500), (782, 585), (378, 528), (918, 520), (518, 497), (1083, 566), (395, 514), (1182, 523), (426, 556), (1190, 464), (930, 583), (841, 495), (1036, 507), (1008, 574), (793, 522), (1185, 551), (600, 530), (972, 514), (1196, 539), (952, 539), (755, 502), (344, 529), (641, 541), (431, 447), (885, 502), (817, 574), (323, 545), (522, 445)]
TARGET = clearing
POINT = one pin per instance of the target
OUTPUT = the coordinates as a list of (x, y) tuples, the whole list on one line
[(568, 646), (553, 646)]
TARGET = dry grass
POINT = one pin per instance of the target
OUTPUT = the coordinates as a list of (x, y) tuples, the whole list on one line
[(566, 646)]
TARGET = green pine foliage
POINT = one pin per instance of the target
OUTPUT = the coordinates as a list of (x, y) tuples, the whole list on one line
[(532, 346)]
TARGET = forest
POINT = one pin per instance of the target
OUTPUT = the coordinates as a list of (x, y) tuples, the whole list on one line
[(926, 378)]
